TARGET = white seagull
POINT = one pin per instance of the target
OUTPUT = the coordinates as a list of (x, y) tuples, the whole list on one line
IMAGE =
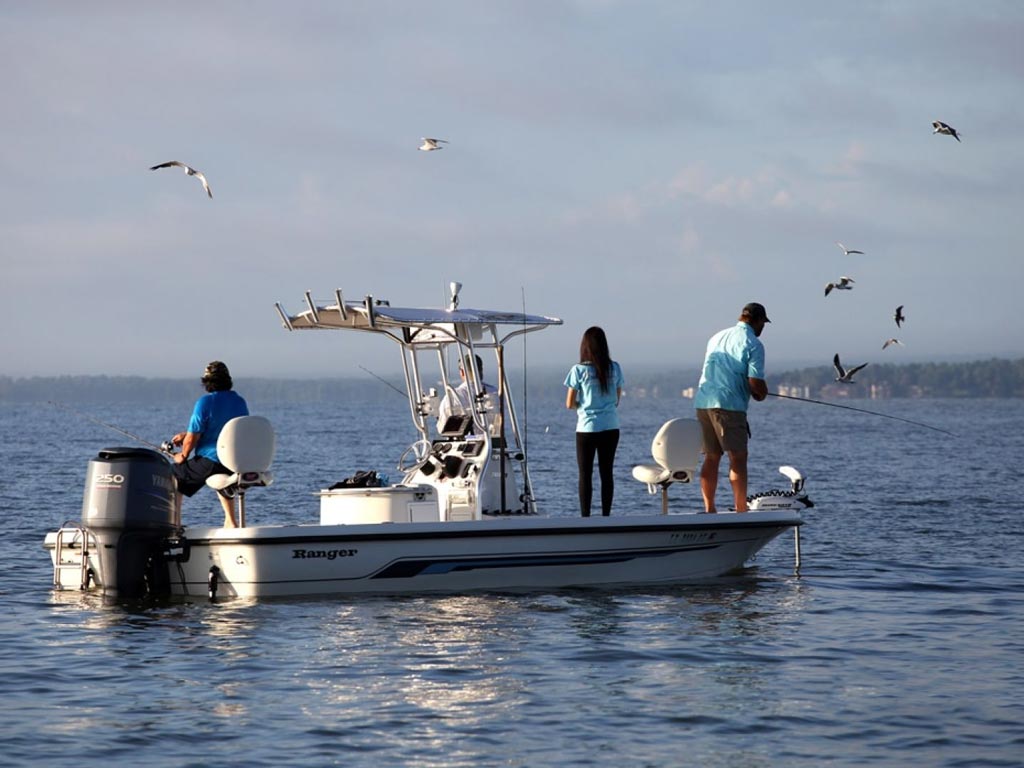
[(842, 375), (889, 342), (948, 130), (848, 251), (429, 145), (188, 170), (842, 285), (898, 317)]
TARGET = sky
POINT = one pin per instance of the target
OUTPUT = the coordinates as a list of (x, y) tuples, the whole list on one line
[(648, 167)]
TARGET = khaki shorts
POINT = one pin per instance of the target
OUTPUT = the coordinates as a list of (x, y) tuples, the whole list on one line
[(723, 431)]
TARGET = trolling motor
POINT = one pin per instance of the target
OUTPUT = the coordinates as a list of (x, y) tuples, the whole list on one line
[(794, 498)]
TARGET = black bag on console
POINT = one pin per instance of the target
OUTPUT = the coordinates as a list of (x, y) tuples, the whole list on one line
[(367, 479)]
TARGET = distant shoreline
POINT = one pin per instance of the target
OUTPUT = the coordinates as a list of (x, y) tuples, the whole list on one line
[(995, 377)]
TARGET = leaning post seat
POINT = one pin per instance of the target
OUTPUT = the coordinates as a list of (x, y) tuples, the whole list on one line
[(246, 447), (676, 449)]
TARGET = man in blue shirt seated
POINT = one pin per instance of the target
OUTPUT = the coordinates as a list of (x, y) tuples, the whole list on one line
[(209, 415), (733, 373)]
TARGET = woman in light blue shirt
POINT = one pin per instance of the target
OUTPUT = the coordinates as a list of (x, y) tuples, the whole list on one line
[(594, 389)]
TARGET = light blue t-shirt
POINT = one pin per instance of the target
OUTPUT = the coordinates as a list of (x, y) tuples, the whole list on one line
[(733, 356), (596, 411), (210, 414)]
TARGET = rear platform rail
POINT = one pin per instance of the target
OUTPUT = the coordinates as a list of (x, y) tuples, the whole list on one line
[(71, 552)]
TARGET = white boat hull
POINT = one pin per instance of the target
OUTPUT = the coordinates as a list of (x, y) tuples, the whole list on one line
[(515, 553)]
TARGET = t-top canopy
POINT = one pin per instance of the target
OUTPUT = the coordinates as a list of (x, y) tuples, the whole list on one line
[(371, 314)]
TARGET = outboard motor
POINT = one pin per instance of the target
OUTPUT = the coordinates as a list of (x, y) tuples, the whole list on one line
[(129, 506)]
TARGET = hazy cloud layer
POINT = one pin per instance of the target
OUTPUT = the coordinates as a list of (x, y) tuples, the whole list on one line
[(648, 167)]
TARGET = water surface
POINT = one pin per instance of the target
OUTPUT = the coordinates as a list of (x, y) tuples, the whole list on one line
[(899, 642)]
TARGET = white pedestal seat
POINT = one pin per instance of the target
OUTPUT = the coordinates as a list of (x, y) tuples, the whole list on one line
[(676, 449), (246, 447)]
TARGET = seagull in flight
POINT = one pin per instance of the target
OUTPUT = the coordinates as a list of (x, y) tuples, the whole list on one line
[(941, 127), (188, 170), (844, 376), (898, 317), (843, 284), (890, 342), (848, 251), (429, 145)]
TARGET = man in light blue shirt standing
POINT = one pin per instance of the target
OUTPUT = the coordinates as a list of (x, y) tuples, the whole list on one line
[(733, 373)]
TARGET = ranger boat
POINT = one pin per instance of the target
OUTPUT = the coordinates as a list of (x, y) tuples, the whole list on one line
[(462, 517)]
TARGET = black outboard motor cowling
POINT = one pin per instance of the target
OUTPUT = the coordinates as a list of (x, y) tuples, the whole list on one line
[(129, 505)]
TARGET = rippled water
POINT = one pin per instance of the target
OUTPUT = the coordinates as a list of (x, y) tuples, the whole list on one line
[(901, 641)]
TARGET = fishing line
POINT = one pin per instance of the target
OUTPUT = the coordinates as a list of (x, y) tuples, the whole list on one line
[(94, 420), (385, 381), (862, 410)]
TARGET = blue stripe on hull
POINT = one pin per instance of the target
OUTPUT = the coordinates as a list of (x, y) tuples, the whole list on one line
[(406, 569)]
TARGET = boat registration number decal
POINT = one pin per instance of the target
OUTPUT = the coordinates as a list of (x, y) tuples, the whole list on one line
[(322, 554), (692, 537)]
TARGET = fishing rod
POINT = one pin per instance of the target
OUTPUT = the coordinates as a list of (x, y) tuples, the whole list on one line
[(385, 381), (861, 410), (526, 397), (165, 448)]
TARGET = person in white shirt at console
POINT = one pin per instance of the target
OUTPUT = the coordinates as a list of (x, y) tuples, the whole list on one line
[(463, 400)]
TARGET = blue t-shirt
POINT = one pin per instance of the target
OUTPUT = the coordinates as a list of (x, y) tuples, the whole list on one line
[(209, 416), (596, 411), (733, 356)]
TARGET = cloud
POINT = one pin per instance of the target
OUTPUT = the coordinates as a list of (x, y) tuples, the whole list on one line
[(691, 180), (731, 191), (851, 162), (766, 186), (782, 199)]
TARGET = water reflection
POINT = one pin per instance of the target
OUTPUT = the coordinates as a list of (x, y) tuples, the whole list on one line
[(439, 662)]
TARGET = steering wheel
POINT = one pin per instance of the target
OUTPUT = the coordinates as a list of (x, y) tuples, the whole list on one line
[(420, 450)]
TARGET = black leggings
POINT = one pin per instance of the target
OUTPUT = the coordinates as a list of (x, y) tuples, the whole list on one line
[(604, 445)]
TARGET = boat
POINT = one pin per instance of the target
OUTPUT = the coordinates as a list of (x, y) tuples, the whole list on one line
[(461, 517)]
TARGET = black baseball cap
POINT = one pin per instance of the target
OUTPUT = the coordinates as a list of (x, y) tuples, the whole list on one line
[(754, 311)]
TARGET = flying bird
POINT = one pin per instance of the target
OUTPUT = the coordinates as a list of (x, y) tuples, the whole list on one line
[(848, 251), (890, 342), (842, 375), (843, 284), (188, 170), (898, 317), (429, 145), (948, 130)]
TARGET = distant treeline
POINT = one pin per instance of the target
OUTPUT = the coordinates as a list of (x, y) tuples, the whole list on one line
[(980, 378), (988, 378), (137, 389)]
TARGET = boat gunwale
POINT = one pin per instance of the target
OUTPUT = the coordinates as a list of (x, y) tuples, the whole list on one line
[(266, 535)]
